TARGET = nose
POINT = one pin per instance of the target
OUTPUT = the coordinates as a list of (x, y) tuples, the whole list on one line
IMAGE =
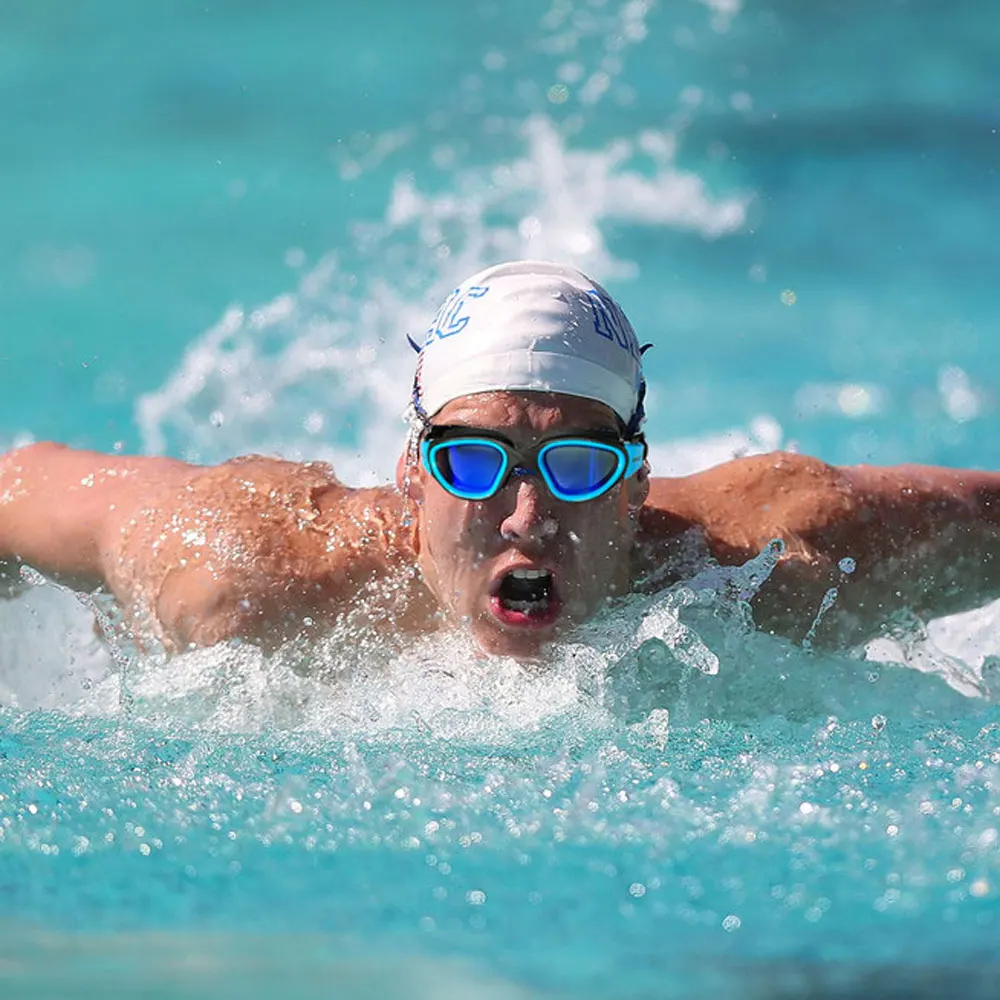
[(529, 520)]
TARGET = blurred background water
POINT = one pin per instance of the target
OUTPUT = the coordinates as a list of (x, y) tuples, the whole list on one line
[(219, 221)]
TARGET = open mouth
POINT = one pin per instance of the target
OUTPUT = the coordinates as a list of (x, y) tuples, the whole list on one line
[(525, 597)]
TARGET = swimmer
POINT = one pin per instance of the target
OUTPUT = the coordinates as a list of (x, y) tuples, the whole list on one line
[(523, 505)]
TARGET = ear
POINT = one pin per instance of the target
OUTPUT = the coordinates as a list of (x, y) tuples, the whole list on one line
[(408, 479), (637, 489)]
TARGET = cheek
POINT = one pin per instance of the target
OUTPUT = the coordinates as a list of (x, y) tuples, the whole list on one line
[(597, 521), (454, 527), (600, 536)]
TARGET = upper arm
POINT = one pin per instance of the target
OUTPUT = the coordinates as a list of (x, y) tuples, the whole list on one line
[(251, 548), (60, 508), (918, 537), (742, 505), (196, 554)]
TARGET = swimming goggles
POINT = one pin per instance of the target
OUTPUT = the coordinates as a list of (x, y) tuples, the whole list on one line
[(475, 464)]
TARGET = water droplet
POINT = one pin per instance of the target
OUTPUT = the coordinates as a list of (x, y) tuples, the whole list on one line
[(979, 888)]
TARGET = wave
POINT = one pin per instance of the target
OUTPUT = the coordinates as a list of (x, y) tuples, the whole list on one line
[(324, 371), (648, 664)]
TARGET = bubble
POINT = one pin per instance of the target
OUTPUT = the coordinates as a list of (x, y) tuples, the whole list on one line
[(856, 400), (494, 60)]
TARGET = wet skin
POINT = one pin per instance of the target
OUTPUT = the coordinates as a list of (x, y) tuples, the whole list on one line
[(265, 549)]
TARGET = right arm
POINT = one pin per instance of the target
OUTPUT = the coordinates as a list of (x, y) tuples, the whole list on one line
[(197, 554), (62, 510)]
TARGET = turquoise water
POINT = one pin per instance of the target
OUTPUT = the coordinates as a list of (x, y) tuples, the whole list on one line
[(218, 224)]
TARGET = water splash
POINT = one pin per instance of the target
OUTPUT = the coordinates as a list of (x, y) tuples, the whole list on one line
[(321, 373), (908, 640), (691, 651)]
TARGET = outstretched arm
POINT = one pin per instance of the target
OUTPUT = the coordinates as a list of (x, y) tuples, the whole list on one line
[(915, 537), (61, 510), (254, 547), (930, 538)]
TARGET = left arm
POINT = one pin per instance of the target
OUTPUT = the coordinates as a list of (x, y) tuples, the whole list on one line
[(930, 538), (920, 537)]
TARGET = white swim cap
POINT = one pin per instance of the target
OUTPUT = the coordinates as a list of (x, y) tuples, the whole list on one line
[(531, 325)]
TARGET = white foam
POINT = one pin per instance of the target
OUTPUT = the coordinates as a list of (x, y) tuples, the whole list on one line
[(690, 650), (18, 440), (51, 656), (685, 456), (958, 647), (723, 12)]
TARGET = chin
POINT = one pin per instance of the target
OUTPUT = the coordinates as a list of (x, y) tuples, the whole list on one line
[(521, 644)]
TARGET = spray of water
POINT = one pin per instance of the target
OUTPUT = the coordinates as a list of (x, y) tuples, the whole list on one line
[(321, 372)]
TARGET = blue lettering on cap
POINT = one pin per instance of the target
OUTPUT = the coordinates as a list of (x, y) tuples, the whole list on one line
[(449, 319), (611, 324)]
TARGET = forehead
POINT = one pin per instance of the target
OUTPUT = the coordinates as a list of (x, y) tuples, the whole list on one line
[(530, 412)]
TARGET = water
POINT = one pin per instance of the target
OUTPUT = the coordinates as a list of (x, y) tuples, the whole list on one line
[(218, 225)]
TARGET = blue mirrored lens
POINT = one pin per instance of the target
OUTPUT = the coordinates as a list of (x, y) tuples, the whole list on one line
[(469, 467), (578, 469)]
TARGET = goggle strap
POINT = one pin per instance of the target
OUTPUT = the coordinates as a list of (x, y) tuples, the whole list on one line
[(640, 409), (636, 451)]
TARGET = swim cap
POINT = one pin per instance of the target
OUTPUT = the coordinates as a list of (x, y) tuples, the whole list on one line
[(531, 325)]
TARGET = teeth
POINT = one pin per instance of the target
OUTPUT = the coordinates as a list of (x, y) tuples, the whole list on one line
[(529, 574), (524, 606)]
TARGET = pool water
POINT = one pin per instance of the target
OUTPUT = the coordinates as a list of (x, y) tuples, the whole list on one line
[(219, 223)]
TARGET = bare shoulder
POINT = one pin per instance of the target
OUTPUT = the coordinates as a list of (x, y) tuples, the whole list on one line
[(741, 505), (242, 547)]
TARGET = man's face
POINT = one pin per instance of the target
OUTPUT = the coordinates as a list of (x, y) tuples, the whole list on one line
[(521, 567)]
